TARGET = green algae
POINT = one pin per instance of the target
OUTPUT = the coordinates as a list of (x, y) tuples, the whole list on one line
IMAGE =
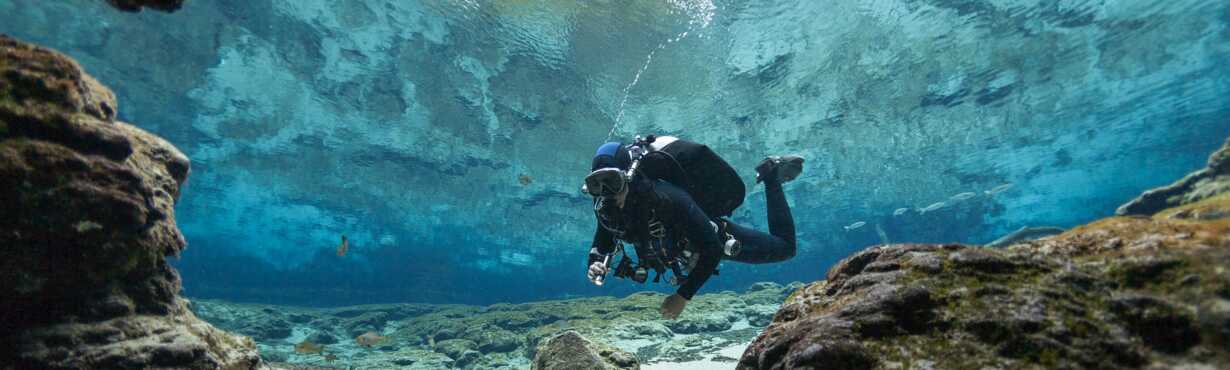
[(1217, 205), (958, 292)]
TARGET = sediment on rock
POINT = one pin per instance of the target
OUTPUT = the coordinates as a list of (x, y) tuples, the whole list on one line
[(88, 223)]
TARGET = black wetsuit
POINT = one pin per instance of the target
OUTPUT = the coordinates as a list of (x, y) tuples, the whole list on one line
[(684, 218)]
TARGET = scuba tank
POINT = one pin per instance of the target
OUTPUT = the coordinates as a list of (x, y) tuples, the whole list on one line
[(712, 182)]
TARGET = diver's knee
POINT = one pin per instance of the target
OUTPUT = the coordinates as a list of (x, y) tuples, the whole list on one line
[(785, 253)]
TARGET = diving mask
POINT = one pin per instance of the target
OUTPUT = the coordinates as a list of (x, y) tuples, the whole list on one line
[(605, 182)]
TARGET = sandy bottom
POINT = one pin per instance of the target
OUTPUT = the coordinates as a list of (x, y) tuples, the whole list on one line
[(733, 351)]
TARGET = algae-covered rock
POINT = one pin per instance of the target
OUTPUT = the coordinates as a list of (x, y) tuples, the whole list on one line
[(1212, 180), (402, 358), (322, 337), (764, 285), (268, 329), (567, 350), (466, 358), (1123, 292), (642, 330), (570, 351), (87, 223), (454, 348), (702, 323), (622, 331), (767, 293), (760, 315), (618, 359), (491, 340)]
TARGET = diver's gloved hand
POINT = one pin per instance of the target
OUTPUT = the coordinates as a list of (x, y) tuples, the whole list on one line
[(783, 168), (672, 306), (597, 273)]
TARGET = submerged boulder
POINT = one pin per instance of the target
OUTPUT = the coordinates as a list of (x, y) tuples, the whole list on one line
[(703, 323), (87, 223), (1123, 292), (570, 351)]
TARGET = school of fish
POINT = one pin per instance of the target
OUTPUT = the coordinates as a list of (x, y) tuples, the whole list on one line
[(939, 205)]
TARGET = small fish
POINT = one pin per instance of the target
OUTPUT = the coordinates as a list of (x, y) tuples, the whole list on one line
[(524, 179), (369, 339), (900, 211), (855, 225), (329, 357), (309, 347), (964, 196), (998, 189), (342, 248), (883, 235), (932, 207)]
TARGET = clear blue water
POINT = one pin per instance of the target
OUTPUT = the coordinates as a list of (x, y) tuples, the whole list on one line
[(407, 125)]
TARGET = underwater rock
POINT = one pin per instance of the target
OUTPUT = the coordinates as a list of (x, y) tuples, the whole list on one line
[(709, 322), (273, 356), (570, 351), (764, 285), (135, 5), (618, 359), (1196, 186), (1023, 234), (408, 358), (494, 340), (768, 293), (498, 362), (642, 330), (760, 315), (454, 348), (87, 225), (507, 336), (321, 337), (567, 350), (1122, 292), (466, 358), (268, 329)]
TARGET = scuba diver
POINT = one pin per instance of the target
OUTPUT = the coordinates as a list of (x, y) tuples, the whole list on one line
[(670, 199)]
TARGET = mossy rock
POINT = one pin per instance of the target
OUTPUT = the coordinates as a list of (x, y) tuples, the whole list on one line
[(1117, 293), (491, 340), (572, 351), (453, 348), (1210, 209)]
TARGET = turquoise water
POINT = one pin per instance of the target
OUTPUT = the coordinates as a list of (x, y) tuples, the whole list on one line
[(447, 140)]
